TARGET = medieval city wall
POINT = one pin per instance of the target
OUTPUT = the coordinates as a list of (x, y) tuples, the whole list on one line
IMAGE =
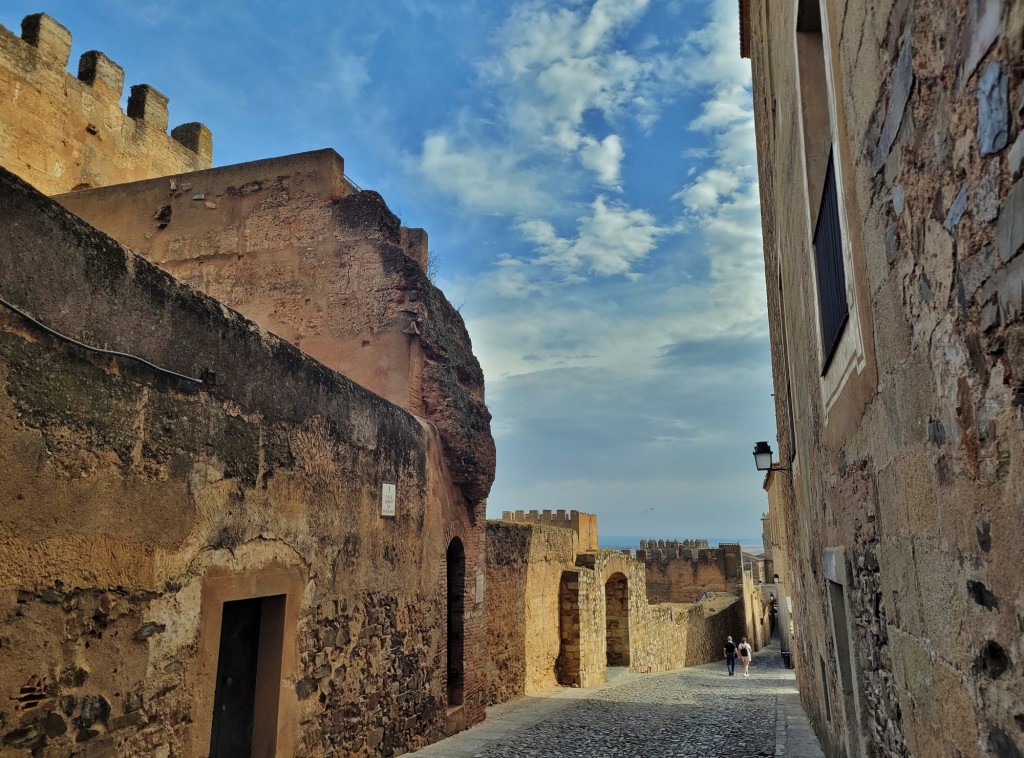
[(560, 617), (681, 571), (291, 244), (138, 502), (584, 524), (256, 478), (904, 503), (60, 132), (524, 568)]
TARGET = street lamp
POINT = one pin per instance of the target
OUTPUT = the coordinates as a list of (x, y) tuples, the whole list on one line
[(763, 458)]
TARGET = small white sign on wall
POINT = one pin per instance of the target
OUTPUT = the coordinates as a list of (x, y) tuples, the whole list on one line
[(387, 499), (480, 587)]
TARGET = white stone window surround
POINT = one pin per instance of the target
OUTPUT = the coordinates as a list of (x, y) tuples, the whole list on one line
[(848, 359)]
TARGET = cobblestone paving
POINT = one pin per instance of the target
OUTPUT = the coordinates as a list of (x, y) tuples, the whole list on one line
[(699, 711)]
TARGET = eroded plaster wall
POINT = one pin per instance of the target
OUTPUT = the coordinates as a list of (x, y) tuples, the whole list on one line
[(62, 132), (136, 502), (289, 243), (904, 507)]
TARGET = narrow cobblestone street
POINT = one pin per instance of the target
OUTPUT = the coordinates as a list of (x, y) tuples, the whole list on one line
[(699, 711)]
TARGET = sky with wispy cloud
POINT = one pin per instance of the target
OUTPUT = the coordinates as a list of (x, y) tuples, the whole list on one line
[(586, 172)]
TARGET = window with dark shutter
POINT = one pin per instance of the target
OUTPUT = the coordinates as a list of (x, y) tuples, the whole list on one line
[(828, 257)]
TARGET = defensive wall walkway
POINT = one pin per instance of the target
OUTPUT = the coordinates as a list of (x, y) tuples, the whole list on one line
[(697, 711)]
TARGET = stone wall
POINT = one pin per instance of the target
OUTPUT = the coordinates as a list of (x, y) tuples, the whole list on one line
[(677, 546), (289, 243), (525, 564), (138, 503), (584, 524), (60, 132), (242, 488), (559, 617), (904, 505), (678, 572), (757, 600)]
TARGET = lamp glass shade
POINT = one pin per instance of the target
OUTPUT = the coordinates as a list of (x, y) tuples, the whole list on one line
[(762, 456)]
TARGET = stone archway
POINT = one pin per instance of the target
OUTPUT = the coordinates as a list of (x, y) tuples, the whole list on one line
[(616, 596)]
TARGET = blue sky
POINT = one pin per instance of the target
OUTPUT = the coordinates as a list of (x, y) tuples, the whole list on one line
[(586, 172)]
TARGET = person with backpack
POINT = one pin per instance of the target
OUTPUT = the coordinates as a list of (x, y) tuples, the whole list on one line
[(745, 652), (729, 649)]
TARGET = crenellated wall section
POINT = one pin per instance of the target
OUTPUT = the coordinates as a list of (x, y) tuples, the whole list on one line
[(347, 510), (62, 132), (584, 524), (562, 617), (681, 571)]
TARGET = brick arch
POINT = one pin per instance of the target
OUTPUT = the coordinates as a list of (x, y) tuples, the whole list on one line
[(452, 530)]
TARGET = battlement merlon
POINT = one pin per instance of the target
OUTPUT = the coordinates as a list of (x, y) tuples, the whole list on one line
[(71, 130), (99, 72), (51, 39)]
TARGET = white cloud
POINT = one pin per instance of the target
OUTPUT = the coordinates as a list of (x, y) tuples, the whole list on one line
[(609, 241), (347, 75), (554, 64), (706, 193), (516, 279), (604, 17), (485, 178), (604, 158)]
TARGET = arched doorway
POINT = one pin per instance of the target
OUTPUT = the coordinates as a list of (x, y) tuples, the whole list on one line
[(456, 574), (616, 598)]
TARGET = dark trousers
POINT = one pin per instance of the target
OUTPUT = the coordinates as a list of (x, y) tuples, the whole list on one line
[(730, 663)]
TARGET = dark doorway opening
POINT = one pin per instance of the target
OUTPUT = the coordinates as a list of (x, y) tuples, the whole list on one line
[(248, 678), (616, 595), (456, 560)]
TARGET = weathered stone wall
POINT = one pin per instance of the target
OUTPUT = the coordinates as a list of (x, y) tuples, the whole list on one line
[(557, 616), (679, 545), (525, 564), (679, 573), (774, 486), (289, 243), (905, 502), (757, 606), (61, 133), (136, 503), (584, 524), (661, 637)]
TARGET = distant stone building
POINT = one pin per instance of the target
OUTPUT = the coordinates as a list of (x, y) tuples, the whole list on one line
[(680, 571), (559, 614), (890, 152), (222, 536)]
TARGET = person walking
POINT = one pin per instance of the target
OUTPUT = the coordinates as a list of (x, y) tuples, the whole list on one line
[(745, 651), (729, 649)]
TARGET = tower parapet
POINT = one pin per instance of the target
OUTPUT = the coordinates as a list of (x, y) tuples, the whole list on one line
[(584, 524), (62, 132)]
